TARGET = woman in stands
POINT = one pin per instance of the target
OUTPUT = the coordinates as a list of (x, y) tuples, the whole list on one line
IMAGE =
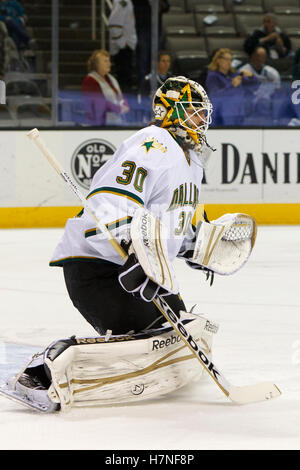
[(103, 98), (228, 89)]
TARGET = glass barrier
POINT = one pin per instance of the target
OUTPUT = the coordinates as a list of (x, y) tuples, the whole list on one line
[(48, 64), (268, 106)]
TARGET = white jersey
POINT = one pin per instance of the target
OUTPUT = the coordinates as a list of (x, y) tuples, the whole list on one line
[(149, 169), (269, 80)]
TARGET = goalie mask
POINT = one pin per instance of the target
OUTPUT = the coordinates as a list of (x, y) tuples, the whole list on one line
[(182, 106)]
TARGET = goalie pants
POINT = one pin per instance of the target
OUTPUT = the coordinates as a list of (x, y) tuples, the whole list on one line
[(95, 291)]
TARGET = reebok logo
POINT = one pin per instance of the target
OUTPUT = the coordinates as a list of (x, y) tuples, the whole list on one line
[(145, 231), (177, 325), (162, 343)]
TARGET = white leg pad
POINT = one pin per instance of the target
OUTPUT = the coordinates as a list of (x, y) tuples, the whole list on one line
[(124, 370)]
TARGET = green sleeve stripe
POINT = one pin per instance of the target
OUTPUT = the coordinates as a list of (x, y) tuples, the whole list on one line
[(112, 225), (80, 213), (117, 192)]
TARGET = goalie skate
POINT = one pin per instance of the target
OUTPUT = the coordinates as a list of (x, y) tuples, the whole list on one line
[(20, 395)]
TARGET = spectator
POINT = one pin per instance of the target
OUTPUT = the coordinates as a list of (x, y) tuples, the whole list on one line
[(228, 89), (257, 66), (103, 99), (163, 67), (269, 36), (270, 82), (13, 15), (122, 39), (145, 96)]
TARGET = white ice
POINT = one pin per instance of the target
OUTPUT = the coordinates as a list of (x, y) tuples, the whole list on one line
[(258, 310)]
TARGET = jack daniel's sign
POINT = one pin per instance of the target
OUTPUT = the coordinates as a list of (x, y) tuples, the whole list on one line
[(244, 168)]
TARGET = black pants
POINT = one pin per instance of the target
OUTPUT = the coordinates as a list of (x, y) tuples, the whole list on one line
[(123, 63), (95, 291), (17, 31)]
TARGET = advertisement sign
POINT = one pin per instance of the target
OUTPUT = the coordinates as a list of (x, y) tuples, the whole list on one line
[(250, 167)]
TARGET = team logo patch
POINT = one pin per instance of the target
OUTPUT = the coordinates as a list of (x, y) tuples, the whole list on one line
[(152, 143), (160, 111), (88, 158)]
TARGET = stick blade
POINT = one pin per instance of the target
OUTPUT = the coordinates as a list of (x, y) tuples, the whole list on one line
[(254, 393)]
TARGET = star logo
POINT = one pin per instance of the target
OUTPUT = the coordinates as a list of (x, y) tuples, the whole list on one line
[(148, 144), (152, 143), (176, 112), (159, 111)]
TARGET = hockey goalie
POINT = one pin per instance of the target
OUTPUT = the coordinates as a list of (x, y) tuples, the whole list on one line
[(148, 196)]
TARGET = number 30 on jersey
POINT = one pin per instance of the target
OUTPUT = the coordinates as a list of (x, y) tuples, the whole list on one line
[(131, 173)]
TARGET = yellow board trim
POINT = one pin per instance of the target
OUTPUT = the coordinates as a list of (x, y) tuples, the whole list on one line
[(36, 217), (43, 217), (281, 214)]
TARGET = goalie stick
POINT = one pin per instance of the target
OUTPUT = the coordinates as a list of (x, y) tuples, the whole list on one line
[(237, 394)]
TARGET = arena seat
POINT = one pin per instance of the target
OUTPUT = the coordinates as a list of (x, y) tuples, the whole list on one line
[(224, 25), (215, 6), (249, 6)]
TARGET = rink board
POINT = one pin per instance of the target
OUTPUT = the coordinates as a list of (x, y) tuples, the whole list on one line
[(256, 171), (46, 217)]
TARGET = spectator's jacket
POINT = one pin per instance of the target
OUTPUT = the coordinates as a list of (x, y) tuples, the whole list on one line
[(13, 9), (266, 74), (229, 102), (102, 99), (254, 40), (218, 83), (268, 77), (145, 89), (122, 32)]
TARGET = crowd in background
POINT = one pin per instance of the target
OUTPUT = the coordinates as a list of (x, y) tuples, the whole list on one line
[(117, 89), (244, 93), (16, 46)]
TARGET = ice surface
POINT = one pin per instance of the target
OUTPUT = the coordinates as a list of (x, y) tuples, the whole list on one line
[(258, 310)]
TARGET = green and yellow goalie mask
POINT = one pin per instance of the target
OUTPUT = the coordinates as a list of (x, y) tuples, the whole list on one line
[(183, 103)]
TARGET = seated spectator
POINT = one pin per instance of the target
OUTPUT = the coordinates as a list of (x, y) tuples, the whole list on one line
[(103, 100), (163, 72), (269, 36), (257, 66), (270, 81), (145, 95), (13, 15), (228, 89)]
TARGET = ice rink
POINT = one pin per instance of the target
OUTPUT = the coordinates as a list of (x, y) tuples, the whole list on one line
[(258, 310)]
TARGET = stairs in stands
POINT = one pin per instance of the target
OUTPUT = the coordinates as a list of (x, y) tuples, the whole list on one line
[(75, 38)]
